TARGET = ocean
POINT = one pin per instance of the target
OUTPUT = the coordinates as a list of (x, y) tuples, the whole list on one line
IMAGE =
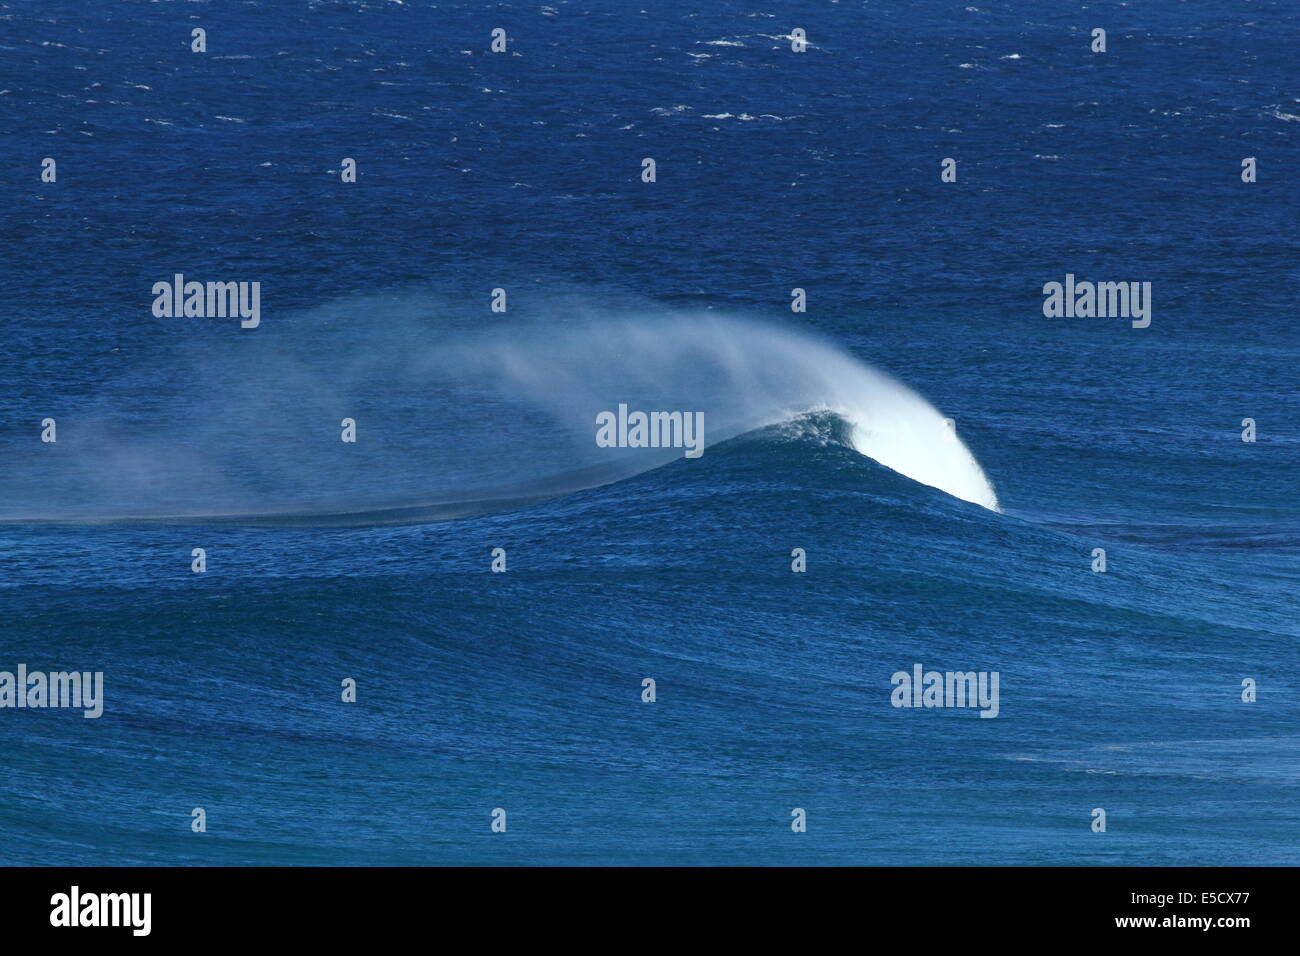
[(677, 660)]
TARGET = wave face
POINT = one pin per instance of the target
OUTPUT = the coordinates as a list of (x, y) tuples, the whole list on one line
[(452, 420)]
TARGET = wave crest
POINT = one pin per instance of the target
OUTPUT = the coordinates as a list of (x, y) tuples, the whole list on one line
[(450, 413)]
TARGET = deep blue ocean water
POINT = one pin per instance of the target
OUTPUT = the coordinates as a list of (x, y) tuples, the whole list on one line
[(775, 170)]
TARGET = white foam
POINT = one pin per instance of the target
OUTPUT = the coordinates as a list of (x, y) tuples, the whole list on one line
[(744, 374)]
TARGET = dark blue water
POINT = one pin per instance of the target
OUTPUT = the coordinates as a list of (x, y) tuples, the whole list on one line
[(522, 690)]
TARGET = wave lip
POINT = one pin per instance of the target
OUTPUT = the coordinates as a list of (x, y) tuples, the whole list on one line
[(916, 441), (891, 423)]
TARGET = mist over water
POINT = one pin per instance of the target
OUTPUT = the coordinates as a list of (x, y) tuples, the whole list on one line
[(493, 410)]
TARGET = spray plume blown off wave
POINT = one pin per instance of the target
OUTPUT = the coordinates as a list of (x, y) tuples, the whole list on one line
[(452, 418)]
